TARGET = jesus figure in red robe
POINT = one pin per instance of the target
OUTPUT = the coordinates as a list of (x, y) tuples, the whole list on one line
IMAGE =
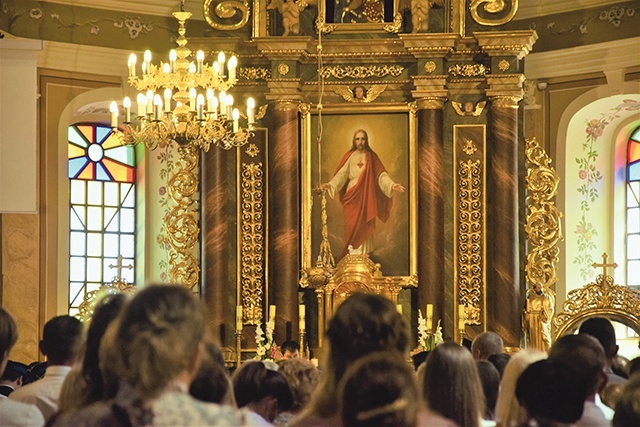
[(365, 189)]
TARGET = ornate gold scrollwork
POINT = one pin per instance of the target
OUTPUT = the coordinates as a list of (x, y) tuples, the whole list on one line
[(361, 71), (470, 239), (396, 26), (181, 221), (468, 70), (226, 10), (254, 73), (322, 26), (493, 7), (544, 232), (252, 242), (469, 147)]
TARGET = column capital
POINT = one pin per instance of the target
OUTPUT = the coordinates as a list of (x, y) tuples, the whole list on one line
[(506, 101), (505, 89), (428, 103), (285, 104)]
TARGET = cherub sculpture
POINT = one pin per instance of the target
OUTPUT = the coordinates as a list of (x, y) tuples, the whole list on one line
[(468, 108), (290, 11), (360, 93), (420, 13)]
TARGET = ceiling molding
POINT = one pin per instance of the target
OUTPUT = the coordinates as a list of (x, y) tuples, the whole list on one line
[(536, 8), (84, 59), (147, 7), (614, 55)]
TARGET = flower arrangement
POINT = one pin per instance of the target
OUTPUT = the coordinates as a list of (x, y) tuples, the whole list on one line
[(427, 340), (266, 346)]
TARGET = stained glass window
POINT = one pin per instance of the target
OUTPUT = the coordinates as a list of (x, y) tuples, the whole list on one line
[(102, 210), (633, 209)]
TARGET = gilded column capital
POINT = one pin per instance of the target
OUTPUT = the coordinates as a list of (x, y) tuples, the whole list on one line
[(506, 101), (429, 103), (285, 105)]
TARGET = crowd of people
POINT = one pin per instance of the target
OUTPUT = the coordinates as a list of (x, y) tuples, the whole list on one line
[(148, 360)]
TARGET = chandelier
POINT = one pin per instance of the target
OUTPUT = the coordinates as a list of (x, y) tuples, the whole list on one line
[(183, 100)]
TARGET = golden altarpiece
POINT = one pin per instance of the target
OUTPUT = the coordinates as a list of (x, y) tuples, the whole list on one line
[(443, 82)]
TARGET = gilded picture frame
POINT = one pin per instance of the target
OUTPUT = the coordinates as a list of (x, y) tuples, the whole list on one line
[(392, 135), (335, 16)]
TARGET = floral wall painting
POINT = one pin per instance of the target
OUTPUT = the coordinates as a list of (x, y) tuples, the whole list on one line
[(590, 181)]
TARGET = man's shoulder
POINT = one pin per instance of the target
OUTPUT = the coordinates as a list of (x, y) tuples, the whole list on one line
[(14, 413)]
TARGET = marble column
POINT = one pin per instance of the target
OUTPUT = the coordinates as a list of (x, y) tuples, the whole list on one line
[(503, 287), (431, 206), (215, 231), (284, 205)]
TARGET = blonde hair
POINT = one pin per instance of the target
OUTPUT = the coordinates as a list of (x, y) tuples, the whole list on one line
[(154, 340), (508, 410), (303, 378)]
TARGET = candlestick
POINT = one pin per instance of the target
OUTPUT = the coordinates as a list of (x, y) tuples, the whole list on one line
[(238, 318), (251, 113), (113, 108)]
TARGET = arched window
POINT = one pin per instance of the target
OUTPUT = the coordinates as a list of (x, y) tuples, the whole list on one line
[(102, 196), (633, 209)]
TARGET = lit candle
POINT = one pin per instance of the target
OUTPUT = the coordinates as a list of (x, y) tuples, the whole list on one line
[(216, 68), (429, 310), (200, 59), (149, 102), (157, 103), (251, 113), (200, 106), (144, 68), (172, 60), (142, 104), (272, 312), (301, 315), (239, 318), (221, 59), (126, 103), (113, 108), (147, 61), (233, 63), (229, 104), (399, 308), (192, 68), (132, 64), (223, 102), (192, 99), (214, 110), (210, 98), (461, 318), (236, 117), (167, 100)]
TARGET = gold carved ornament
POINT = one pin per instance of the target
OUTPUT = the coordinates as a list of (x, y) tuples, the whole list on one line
[(226, 10), (543, 228), (283, 69), (322, 26), (504, 65), (254, 73), (252, 242), (371, 94), (430, 67), (396, 25), (470, 240), (468, 70), (602, 298), (361, 71), (493, 7), (182, 220)]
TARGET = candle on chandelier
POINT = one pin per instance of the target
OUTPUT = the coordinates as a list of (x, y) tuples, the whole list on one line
[(214, 109), (221, 59), (461, 317), (157, 103), (216, 68), (223, 102), (200, 107), (126, 103), (142, 104), (172, 60), (210, 98), (251, 111), (132, 64), (113, 108), (272, 312), (200, 60), (229, 103), (236, 117), (167, 100), (233, 63), (192, 99), (238, 318), (149, 102), (146, 65)]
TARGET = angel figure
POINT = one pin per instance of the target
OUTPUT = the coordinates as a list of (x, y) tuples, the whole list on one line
[(290, 11), (420, 13), (360, 93), (468, 108)]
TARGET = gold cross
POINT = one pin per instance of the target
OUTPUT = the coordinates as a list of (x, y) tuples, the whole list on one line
[(604, 264), (119, 266)]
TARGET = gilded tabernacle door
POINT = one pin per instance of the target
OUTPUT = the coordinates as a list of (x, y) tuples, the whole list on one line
[(359, 172)]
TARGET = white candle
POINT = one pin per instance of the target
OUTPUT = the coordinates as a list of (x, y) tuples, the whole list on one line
[(251, 114), (192, 68), (301, 315), (239, 318), (126, 103), (233, 63), (157, 103), (147, 61), (229, 103), (142, 104), (236, 117), (223, 102), (149, 102), (113, 108), (216, 68), (272, 312), (221, 59), (214, 110), (167, 100), (429, 310), (210, 98), (200, 104), (132, 64), (200, 59), (192, 99), (172, 60)]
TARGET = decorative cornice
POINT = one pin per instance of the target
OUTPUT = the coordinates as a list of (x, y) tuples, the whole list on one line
[(430, 103), (507, 43)]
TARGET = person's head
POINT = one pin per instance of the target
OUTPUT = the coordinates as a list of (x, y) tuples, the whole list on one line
[(628, 408), (15, 374), (8, 337), (156, 340), (632, 367), (612, 394), (105, 312), (490, 380), (359, 92), (486, 344), (601, 329), (290, 349), (378, 390), (587, 355), (549, 392), (259, 386), (499, 361), (61, 340), (419, 358), (360, 141), (451, 386), (302, 377), (508, 411), (211, 383)]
